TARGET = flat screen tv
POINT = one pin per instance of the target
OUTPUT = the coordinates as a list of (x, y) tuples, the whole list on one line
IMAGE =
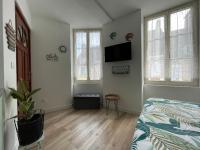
[(119, 52)]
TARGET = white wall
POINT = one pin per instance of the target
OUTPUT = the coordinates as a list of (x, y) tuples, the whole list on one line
[(1, 47), (9, 80), (53, 77), (129, 87), (1, 80), (1, 122), (9, 77), (179, 93)]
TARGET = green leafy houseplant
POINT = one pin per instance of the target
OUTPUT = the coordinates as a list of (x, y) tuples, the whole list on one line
[(24, 99), (30, 123)]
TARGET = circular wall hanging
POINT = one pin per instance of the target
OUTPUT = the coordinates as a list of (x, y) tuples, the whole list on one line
[(129, 36), (113, 35), (62, 49)]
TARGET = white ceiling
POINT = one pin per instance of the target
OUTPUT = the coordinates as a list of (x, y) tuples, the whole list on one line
[(87, 13)]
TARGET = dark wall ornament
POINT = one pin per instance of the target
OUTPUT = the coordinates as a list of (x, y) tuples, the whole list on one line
[(129, 36), (113, 35), (11, 39), (62, 49), (52, 57), (121, 69)]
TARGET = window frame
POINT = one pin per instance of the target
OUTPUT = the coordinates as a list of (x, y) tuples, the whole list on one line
[(166, 14), (88, 81)]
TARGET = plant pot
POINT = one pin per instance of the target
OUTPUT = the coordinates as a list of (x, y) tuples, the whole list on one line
[(31, 130)]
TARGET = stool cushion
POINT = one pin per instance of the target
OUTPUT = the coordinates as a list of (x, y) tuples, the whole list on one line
[(87, 95)]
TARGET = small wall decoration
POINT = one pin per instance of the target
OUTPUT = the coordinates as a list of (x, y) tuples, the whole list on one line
[(62, 49), (11, 39), (113, 35), (121, 69), (129, 36), (52, 57)]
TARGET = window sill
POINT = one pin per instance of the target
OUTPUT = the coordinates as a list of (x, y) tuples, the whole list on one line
[(171, 86), (88, 82)]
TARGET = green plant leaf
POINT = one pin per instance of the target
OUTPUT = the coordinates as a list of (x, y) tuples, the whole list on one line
[(23, 87), (16, 95), (24, 99), (33, 92), (22, 107), (13, 117)]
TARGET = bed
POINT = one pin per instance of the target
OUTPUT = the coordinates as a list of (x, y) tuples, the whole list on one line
[(167, 125)]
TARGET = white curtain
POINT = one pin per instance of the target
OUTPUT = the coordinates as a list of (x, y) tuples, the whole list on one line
[(95, 55), (155, 54), (80, 55), (87, 55), (181, 46)]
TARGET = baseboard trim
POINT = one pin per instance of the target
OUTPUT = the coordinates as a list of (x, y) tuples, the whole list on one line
[(122, 109), (129, 111), (58, 108), (49, 110)]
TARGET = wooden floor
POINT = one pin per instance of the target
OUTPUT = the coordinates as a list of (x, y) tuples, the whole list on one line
[(88, 130)]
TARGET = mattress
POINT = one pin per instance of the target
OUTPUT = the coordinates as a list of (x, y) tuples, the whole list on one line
[(167, 125)]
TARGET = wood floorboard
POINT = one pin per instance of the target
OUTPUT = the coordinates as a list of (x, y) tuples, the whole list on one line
[(88, 130)]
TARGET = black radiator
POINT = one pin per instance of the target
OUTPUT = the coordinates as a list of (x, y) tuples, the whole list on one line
[(87, 101)]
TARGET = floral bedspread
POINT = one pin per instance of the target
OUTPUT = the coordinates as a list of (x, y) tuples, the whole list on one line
[(167, 125)]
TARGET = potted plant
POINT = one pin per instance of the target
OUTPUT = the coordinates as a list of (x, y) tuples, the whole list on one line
[(30, 121)]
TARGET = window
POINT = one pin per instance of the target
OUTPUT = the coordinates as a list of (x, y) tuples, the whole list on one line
[(171, 55), (87, 55)]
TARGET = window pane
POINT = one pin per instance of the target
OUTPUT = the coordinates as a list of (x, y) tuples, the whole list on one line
[(155, 56), (95, 55), (181, 46), (181, 70), (181, 22), (81, 55), (156, 29), (156, 70)]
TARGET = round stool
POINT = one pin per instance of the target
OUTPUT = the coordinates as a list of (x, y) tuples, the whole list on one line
[(112, 98)]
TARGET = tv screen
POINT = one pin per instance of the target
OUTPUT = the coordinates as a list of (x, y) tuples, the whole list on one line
[(118, 52)]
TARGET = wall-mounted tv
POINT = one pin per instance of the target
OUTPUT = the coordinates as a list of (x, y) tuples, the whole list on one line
[(119, 52)]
